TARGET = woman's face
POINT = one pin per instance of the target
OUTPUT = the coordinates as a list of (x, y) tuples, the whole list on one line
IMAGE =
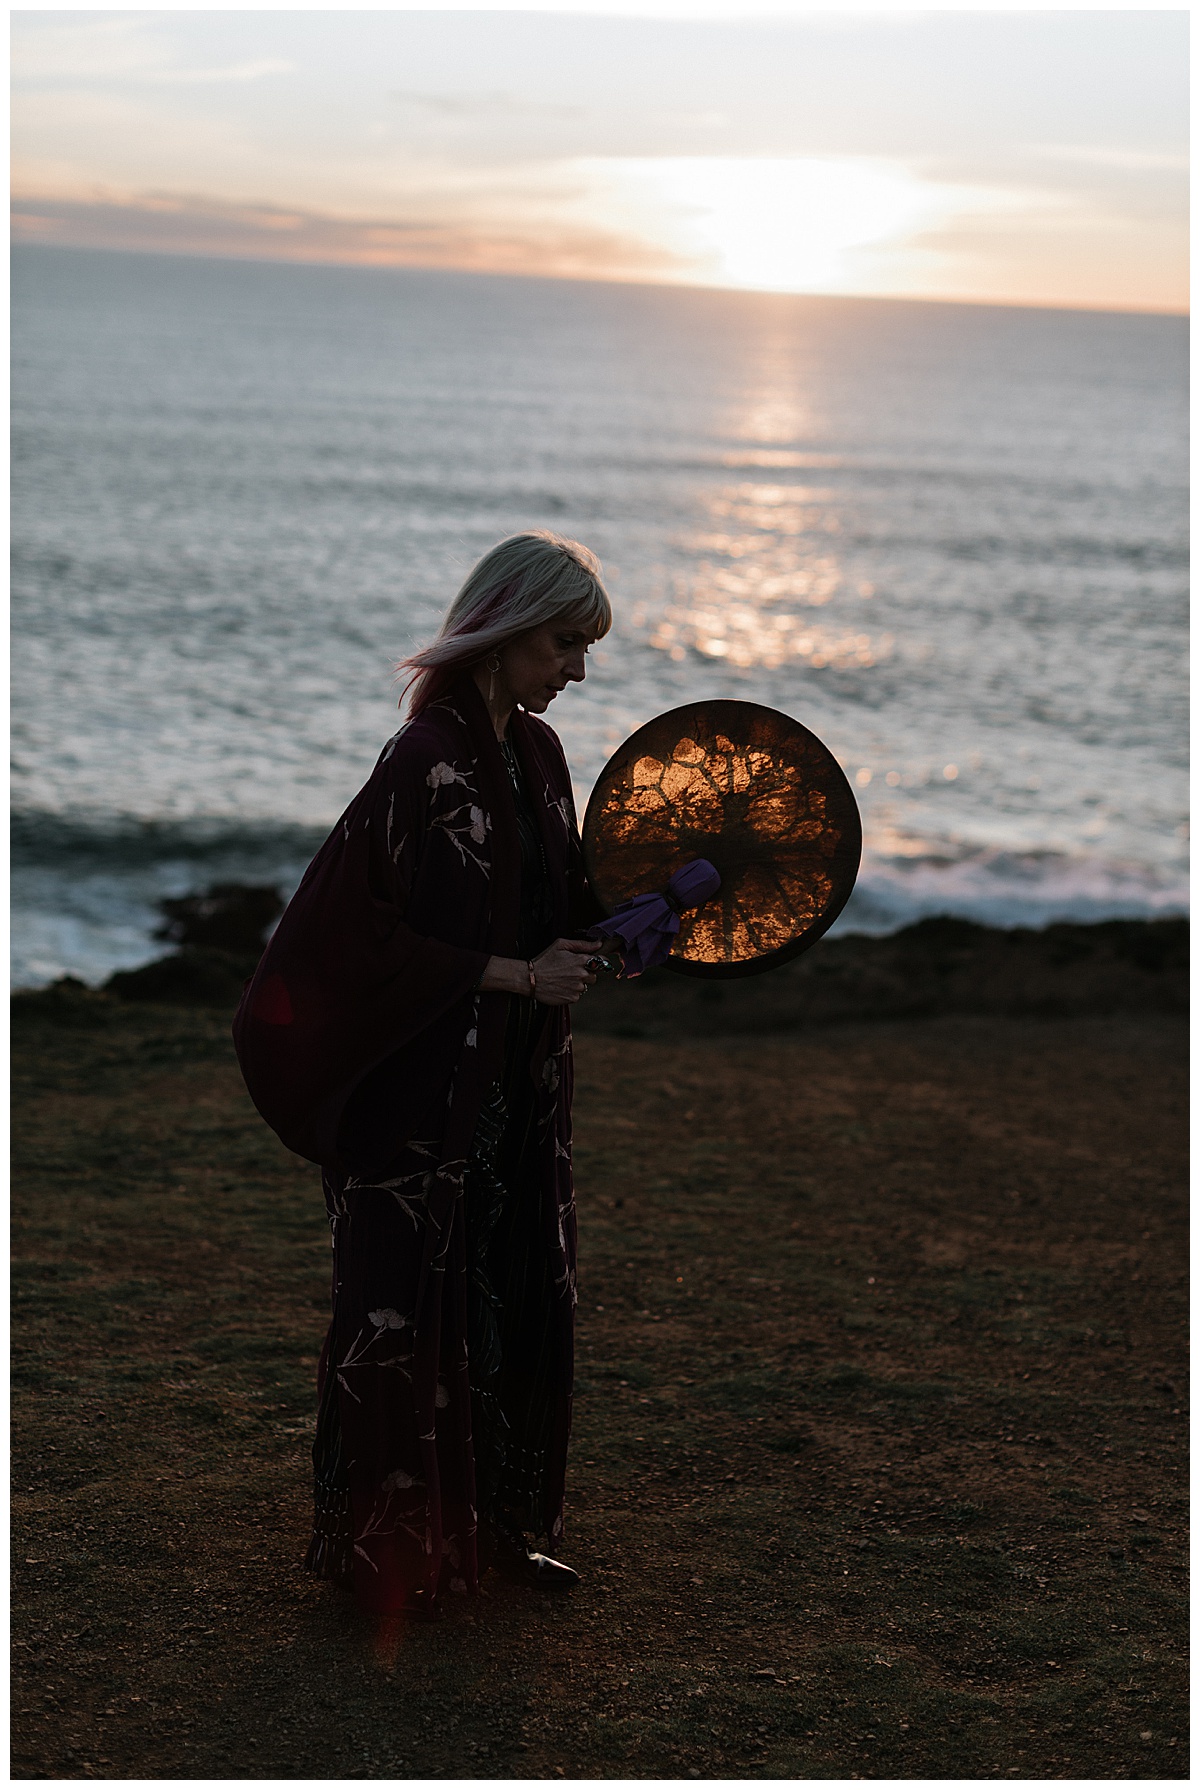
[(537, 665)]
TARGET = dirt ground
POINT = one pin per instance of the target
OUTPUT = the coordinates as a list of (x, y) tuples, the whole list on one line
[(878, 1465)]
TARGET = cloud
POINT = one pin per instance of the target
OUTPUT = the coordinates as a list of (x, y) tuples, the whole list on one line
[(195, 225), (118, 52), (1092, 155), (238, 71), (479, 105), (96, 50)]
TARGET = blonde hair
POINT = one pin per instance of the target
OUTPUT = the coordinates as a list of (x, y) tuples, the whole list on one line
[(521, 583)]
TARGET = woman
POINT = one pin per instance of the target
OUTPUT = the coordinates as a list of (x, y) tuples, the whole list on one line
[(407, 1028)]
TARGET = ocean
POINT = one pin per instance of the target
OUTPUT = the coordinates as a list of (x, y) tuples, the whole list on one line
[(950, 539)]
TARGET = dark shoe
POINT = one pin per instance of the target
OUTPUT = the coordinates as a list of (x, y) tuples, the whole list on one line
[(514, 1559)]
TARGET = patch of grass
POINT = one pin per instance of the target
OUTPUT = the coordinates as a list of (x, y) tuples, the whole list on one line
[(897, 1548)]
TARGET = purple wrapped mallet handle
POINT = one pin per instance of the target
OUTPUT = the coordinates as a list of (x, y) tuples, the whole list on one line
[(647, 925)]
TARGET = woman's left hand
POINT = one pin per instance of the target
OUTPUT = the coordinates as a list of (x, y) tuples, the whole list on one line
[(561, 973)]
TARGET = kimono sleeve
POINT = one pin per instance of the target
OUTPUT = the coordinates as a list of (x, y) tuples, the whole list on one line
[(347, 980)]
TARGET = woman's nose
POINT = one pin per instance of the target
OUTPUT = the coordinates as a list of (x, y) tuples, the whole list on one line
[(576, 669)]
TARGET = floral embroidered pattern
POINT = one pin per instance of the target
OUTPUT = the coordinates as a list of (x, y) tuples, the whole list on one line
[(552, 1067), (357, 1354), (443, 774), (391, 745), (465, 826), (378, 1526), (394, 850), (563, 807)]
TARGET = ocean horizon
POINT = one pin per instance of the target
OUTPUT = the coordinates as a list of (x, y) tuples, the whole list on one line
[(949, 538)]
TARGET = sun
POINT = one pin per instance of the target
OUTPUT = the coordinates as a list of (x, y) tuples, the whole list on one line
[(775, 225)]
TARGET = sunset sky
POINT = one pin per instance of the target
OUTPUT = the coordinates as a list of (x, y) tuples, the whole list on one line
[(1034, 158)]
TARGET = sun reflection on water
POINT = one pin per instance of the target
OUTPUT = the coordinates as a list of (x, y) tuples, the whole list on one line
[(744, 597), (779, 459), (777, 509), (742, 634)]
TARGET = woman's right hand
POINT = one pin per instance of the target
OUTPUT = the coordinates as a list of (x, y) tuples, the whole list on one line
[(561, 971)]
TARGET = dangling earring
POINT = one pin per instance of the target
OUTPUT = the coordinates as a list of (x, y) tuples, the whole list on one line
[(493, 665)]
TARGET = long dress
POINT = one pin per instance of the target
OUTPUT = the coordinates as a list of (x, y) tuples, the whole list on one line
[(510, 1312), (367, 1047)]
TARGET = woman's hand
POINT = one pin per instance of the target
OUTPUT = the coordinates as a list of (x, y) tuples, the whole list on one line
[(561, 973)]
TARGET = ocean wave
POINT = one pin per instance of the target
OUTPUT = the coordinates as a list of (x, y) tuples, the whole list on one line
[(125, 842), (1007, 889), (85, 890)]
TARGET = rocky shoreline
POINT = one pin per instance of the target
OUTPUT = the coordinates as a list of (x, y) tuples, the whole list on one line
[(937, 966)]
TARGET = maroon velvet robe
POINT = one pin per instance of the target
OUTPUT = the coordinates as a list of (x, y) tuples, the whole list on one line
[(374, 964)]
